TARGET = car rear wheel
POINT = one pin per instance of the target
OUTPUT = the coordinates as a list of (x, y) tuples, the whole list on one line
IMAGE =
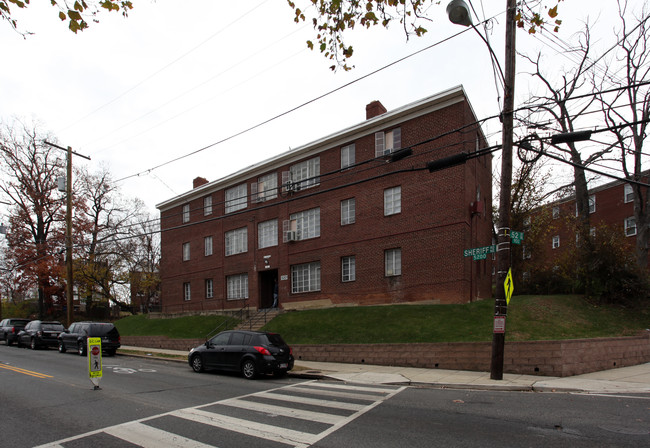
[(81, 349), (248, 369), (32, 344), (61, 347), (7, 340), (197, 363)]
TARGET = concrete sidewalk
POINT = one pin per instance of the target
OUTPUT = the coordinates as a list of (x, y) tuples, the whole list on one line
[(625, 380)]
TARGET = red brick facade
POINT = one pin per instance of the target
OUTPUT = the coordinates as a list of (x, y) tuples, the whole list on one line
[(433, 224)]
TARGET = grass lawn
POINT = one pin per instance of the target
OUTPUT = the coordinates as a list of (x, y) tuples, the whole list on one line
[(529, 318)]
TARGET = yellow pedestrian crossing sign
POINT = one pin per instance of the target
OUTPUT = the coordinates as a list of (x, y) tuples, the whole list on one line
[(508, 286)]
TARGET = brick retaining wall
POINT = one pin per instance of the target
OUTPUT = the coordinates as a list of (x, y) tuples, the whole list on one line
[(549, 358)]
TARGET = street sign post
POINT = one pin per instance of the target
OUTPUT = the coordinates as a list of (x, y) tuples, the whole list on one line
[(516, 237), (95, 360), (480, 253)]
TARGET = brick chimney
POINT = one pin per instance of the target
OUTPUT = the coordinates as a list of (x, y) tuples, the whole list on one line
[(198, 181), (374, 109)]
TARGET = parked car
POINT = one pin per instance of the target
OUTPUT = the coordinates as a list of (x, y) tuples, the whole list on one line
[(76, 337), (9, 329), (40, 333), (248, 352)]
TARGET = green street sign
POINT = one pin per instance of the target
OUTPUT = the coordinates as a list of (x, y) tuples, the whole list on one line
[(516, 237), (479, 253)]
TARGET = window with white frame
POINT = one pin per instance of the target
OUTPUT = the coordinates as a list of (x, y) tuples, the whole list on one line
[(630, 226), (304, 174), (237, 286), (393, 262), (348, 211), (267, 234), (387, 142), (209, 288), (207, 205), (525, 252), (305, 277), (348, 156), (236, 198), (207, 243), (556, 241), (187, 292), (628, 193), (267, 187), (592, 204), (186, 251), (236, 241), (392, 201), (307, 223), (556, 212), (186, 213), (348, 269)]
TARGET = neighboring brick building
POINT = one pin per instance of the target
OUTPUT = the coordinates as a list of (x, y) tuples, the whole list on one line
[(339, 220), (610, 204)]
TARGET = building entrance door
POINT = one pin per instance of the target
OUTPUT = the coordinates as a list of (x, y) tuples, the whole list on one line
[(268, 281)]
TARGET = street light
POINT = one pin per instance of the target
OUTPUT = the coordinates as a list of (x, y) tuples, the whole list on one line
[(459, 13)]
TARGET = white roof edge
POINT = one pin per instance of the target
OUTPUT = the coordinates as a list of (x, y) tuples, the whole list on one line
[(415, 108)]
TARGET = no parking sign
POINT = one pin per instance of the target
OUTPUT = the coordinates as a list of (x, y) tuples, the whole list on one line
[(95, 360)]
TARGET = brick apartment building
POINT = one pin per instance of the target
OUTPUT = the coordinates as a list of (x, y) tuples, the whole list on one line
[(610, 204), (342, 220)]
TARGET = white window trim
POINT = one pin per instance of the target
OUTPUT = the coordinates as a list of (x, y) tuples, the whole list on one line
[(186, 213), (393, 263), (630, 230), (381, 141), (350, 263), (628, 193), (187, 291), (236, 241), (393, 200), (208, 246), (209, 288), (236, 198), (348, 156), (348, 211), (207, 205), (307, 224), (186, 251), (267, 233), (305, 277), (556, 242), (237, 286)]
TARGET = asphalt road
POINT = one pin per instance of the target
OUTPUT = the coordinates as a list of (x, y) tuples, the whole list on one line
[(48, 399)]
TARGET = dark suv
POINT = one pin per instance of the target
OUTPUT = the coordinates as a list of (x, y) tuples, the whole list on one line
[(248, 352), (40, 333), (9, 329), (76, 337)]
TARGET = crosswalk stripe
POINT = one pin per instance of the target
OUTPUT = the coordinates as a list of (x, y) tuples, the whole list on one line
[(149, 437), (314, 401), (332, 393), (382, 390), (284, 411), (268, 432)]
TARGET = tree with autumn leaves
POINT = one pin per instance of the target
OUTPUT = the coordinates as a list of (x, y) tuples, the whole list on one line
[(105, 227)]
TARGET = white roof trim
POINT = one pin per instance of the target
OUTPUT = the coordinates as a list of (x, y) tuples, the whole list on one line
[(415, 109)]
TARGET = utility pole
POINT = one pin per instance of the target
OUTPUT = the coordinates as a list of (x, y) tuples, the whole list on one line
[(68, 229), (503, 231)]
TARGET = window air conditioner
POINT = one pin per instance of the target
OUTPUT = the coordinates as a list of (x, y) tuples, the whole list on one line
[(292, 235)]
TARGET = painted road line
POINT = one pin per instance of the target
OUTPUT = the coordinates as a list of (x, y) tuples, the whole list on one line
[(149, 437), (313, 401), (247, 427), (331, 393), (283, 411), (25, 372)]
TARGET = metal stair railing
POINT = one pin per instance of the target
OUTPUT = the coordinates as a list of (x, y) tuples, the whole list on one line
[(226, 323)]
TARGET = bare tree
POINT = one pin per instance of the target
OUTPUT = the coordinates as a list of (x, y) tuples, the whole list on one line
[(35, 230), (625, 103)]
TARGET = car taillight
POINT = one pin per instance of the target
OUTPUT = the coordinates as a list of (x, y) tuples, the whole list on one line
[(290, 351), (263, 351), (13, 330)]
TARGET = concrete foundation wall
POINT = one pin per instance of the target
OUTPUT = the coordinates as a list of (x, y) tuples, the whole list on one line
[(547, 358)]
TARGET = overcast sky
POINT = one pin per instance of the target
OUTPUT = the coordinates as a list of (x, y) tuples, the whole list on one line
[(175, 77)]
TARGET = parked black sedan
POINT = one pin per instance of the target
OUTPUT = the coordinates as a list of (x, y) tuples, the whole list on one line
[(9, 329), (76, 337), (249, 352), (40, 333)]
